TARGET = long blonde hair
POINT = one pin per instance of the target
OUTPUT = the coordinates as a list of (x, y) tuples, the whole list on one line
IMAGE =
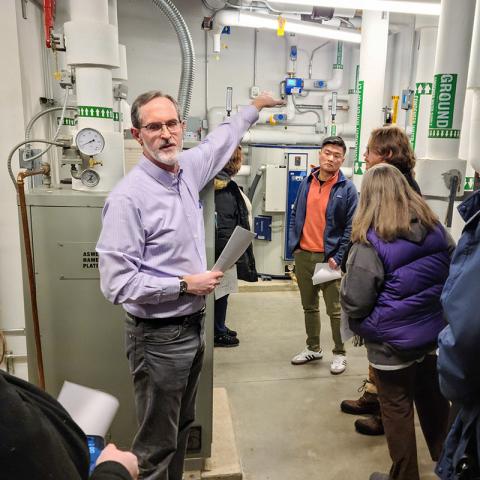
[(388, 204)]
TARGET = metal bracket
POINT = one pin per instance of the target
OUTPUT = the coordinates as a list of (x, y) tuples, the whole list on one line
[(13, 331), (10, 361), (24, 9), (452, 179)]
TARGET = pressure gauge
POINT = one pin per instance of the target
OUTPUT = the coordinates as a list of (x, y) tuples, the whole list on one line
[(90, 178), (90, 141)]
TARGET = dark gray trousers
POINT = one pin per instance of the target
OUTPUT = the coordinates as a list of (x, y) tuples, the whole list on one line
[(165, 362)]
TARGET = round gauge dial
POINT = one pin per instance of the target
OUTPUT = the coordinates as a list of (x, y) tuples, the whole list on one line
[(90, 141), (90, 178)]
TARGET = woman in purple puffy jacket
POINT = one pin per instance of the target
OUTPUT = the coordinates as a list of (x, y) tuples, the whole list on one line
[(396, 270)]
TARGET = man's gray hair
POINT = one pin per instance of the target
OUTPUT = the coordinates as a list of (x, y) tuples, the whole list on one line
[(143, 99)]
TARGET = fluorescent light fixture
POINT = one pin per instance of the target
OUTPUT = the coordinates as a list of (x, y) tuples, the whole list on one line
[(252, 20), (414, 8)]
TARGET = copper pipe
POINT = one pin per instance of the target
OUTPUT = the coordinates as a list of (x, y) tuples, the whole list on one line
[(44, 170)]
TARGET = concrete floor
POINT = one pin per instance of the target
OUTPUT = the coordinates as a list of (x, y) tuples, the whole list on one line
[(287, 420)]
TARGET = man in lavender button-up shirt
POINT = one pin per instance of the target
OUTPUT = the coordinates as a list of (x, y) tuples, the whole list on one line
[(152, 261)]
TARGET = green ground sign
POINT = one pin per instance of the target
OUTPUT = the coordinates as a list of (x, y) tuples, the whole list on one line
[(443, 107)]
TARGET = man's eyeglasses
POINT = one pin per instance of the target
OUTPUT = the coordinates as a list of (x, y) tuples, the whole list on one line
[(173, 126)]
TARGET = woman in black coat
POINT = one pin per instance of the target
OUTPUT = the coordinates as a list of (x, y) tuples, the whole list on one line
[(230, 210), (39, 440)]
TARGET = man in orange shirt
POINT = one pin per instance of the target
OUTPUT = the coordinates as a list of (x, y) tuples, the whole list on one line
[(320, 228)]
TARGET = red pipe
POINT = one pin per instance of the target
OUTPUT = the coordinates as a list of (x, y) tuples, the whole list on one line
[(49, 20)]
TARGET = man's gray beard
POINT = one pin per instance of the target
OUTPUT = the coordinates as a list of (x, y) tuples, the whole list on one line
[(170, 159)]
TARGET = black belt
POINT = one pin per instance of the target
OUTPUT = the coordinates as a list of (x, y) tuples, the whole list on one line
[(161, 322)]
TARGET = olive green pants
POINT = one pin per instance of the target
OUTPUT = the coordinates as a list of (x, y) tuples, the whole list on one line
[(304, 267)]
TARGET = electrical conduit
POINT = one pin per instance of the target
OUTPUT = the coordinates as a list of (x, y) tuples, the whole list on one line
[(188, 54)]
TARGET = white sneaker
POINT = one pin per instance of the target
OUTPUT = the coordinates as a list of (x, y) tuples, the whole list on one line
[(338, 365), (306, 356)]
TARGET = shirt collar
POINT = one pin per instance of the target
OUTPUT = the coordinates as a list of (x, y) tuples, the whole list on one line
[(166, 178), (333, 179)]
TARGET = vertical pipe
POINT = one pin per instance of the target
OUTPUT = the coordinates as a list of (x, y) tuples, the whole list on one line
[(474, 86), (423, 97), (447, 105), (450, 78), (373, 57), (30, 268)]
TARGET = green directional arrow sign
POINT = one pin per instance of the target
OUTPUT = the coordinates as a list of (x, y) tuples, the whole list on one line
[(444, 133), (358, 127), (71, 122), (358, 168), (105, 113), (421, 88), (468, 184)]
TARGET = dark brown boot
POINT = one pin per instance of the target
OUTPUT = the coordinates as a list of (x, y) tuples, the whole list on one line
[(370, 426), (366, 404)]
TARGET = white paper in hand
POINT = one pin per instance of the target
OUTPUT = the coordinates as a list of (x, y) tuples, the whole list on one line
[(228, 283), (234, 249), (323, 273), (91, 409)]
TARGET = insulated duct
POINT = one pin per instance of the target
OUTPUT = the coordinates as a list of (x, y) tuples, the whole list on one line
[(188, 54)]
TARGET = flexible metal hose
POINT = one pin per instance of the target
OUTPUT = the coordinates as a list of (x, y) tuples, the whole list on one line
[(253, 186), (41, 114), (188, 54), (17, 146), (60, 123)]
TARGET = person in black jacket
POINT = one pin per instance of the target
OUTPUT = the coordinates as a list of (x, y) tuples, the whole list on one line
[(39, 440), (232, 208), (385, 145)]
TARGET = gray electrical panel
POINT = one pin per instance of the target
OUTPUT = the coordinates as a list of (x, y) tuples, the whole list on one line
[(82, 334)]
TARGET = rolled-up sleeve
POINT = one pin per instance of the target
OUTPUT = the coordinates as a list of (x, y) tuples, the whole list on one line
[(120, 249)]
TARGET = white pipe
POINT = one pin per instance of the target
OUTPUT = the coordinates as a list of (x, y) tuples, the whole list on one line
[(291, 42), (451, 65), (244, 171), (282, 137), (345, 129), (336, 81), (88, 10), (112, 13), (91, 38), (215, 116), (474, 147), (473, 84), (239, 18), (424, 74), (288, 110), (449, 88), (347, 171), (373, 58)]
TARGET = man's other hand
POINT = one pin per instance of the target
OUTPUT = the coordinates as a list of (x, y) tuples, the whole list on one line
[(112, 454), (202, 283), (266, 99), (332, 264)]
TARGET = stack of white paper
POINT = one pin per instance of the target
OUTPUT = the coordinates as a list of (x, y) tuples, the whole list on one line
[(323, 273)]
